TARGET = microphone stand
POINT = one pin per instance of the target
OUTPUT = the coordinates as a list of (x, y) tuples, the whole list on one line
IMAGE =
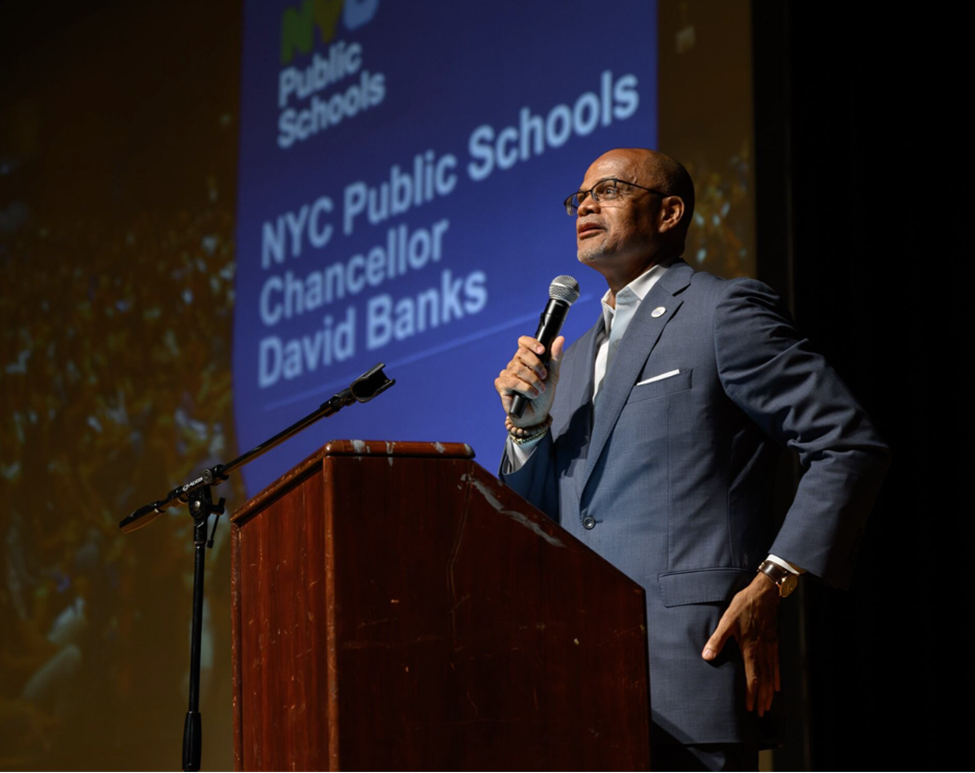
[(198, 496)]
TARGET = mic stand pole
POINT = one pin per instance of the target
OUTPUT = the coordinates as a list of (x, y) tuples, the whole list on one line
[(198, 496), (200, 506)]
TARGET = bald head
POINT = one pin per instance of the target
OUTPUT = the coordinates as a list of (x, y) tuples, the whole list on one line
[(663, 173), (625, 229)]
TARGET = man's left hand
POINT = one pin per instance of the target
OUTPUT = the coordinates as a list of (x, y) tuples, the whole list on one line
[(751, 618)]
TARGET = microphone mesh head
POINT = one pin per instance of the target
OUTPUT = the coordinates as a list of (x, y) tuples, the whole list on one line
[(564, 288)]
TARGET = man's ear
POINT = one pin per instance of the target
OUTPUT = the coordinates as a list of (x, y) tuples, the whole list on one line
[(671, 212)]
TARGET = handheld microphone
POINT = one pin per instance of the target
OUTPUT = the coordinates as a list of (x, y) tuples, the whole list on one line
[(562, 293)]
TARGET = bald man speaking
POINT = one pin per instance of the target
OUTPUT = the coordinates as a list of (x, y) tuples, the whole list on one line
[(653, 439)]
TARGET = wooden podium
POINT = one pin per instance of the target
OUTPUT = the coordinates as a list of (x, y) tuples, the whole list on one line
[(396, 607)]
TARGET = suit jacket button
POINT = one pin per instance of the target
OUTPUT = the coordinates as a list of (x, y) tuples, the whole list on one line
[(588, 522)]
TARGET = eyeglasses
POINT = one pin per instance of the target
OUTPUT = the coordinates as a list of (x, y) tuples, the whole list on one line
[(603, 191)]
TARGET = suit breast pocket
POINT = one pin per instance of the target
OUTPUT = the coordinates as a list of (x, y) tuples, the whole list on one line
[(665, 386)]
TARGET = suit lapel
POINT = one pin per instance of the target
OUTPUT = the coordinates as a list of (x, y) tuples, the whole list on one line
[(582, 382), (635, 347), (577, 379)]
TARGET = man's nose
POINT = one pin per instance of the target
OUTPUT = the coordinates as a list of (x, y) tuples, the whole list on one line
[(588, 205)]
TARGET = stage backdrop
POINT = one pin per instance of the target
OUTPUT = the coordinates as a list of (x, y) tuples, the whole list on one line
[(402, 169)]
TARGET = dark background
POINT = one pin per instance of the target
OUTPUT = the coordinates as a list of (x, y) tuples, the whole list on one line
[(860, 187)]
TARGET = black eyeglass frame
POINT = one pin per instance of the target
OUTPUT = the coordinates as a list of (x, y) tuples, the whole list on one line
[(571, 208)]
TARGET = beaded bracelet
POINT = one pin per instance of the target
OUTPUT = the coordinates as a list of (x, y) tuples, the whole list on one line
[(522, 435)]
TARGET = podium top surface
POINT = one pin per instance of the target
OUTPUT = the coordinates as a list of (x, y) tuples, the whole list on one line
[(393, 448), (374, 448)]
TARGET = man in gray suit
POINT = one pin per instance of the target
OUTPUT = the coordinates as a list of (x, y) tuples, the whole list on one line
[(650, 440)]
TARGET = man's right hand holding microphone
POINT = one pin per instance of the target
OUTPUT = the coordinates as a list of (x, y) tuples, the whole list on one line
[(528, 375)]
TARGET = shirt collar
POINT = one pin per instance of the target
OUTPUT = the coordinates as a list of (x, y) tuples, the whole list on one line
[(634, 292)]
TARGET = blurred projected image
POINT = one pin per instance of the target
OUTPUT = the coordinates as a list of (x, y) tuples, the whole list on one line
[(118, 264), (107, 394)]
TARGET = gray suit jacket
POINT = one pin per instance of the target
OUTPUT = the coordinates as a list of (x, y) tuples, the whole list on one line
[(678, 475)]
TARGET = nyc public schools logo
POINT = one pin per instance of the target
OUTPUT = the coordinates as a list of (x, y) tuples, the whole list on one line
[(298, 24), (299, 119)]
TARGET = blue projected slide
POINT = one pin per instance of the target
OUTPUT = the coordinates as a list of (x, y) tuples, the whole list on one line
[(402, 169)]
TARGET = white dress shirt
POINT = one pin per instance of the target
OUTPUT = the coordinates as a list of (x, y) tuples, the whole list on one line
[(615, 321)]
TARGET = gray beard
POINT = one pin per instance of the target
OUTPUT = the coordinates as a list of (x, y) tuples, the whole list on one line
[(588, 254)]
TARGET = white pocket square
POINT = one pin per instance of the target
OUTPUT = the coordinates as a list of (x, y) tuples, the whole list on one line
[(662, 376)]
